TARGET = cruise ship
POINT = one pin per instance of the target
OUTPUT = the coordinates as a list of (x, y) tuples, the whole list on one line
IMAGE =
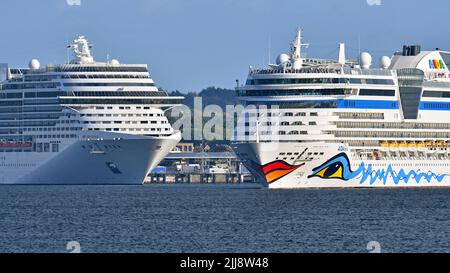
[(83, 122), (319, 123)]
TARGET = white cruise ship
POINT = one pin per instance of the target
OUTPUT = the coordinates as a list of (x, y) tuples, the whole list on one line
[(84, 122), (341, 123)]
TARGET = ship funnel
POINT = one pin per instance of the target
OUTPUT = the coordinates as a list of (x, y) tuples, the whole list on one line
[(411, 50), (341, 57)]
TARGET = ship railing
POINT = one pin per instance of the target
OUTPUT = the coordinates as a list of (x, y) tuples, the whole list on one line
[(294, 71), (323, 70)]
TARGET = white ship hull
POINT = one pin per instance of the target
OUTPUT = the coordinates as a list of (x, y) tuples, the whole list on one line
[(82, 122), (125, 159), (326, 165), (316, 123)]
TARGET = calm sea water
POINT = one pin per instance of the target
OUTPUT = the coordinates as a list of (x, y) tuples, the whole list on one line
[(226, 218)]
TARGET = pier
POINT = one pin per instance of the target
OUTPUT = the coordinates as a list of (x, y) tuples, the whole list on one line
[(198, 178), (200, 168)]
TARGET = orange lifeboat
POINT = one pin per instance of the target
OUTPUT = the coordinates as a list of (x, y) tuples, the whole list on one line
[(16, 144)]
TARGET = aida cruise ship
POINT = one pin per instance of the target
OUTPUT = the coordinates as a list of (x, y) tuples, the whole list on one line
[(316, 123), (84, 122)]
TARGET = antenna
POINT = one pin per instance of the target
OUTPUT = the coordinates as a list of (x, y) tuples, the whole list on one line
[(359, 49), (270, 46), (257, 130), (67, 51), (341, 57)]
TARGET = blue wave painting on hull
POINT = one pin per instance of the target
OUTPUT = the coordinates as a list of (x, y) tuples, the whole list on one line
[(338, 167)]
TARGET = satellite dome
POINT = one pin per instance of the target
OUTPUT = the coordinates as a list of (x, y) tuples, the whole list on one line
[(366, 60), (385, 62), (34, 64), (282, 59), (114, 62)]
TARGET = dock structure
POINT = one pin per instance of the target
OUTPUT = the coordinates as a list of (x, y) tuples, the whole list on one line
[(198, 178), (235, 174)]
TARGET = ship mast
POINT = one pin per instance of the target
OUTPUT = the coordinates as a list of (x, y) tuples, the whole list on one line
[(81, 51), (296, 50)]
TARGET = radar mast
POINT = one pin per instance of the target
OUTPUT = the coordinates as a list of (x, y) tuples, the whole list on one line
[(296, 50), (81, 51)]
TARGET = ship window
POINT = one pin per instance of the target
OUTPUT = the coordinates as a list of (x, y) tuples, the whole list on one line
[(376, 92), (380, 81), (11, 95), (110, 84), (98, 69), (55, 148), (118, 101), (355, 81), (436, 106), (410, 100), (436, 94), (29, 85), (10, 103), (294, 92), (318, 81)]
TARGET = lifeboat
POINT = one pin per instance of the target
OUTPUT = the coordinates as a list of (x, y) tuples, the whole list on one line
[(421, 146), (384, 145), (430, 146), (441, 147), (393, 146), (412, 146), (447, 144), (16, 144), (403, 146)]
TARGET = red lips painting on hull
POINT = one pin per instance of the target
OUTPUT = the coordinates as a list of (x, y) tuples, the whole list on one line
[(278, 169)]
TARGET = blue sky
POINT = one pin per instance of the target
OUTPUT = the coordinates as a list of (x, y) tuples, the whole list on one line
[(193, 44)]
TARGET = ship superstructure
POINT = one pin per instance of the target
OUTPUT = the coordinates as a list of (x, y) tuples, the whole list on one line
[(83, 122), (342, 123)]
